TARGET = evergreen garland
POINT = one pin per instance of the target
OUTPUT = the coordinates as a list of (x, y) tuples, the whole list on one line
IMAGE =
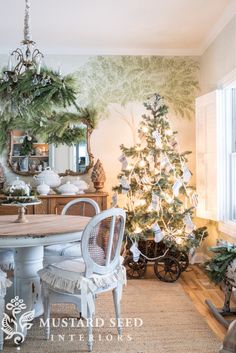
[(216, 267), (36, 104)]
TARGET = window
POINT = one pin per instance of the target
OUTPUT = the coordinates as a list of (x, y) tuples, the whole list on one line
[(216, 156)]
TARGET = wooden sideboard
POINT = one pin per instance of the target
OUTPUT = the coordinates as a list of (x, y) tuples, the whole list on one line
[(53, 204)]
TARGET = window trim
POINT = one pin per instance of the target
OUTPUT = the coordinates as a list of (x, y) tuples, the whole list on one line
[(226, 224)]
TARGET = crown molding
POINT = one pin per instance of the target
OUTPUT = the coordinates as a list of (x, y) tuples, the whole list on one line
[(114, 51), (227, 16)]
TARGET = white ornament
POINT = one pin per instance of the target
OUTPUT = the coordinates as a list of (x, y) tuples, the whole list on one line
[(135, 251), (114, 200), (194, 199), (164, 161), (124, 162), (155, 204), (177, 185), (125, 185), (189, 225), (186, 174), (157, 136), (158, 234)]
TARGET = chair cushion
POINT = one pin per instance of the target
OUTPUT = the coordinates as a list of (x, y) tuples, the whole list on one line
[(68, 249), (7, 259)]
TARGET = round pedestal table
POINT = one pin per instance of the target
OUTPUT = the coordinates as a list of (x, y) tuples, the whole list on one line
[(28, 241)]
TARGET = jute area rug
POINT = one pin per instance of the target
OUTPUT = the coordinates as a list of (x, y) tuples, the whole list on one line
[(169, 324)]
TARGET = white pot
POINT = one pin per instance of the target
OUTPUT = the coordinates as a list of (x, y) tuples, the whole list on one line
[(68, 189), (43, 189), (49, 177), (80, 184)]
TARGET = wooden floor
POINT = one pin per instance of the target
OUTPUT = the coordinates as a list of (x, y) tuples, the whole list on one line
[(199, 288)]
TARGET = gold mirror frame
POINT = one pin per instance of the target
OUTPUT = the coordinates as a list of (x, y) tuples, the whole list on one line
[(70, 172)]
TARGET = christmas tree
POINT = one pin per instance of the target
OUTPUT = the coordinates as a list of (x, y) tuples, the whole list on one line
[(155, 178)]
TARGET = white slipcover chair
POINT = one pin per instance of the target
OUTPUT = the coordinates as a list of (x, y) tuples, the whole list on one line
[(4, 284), (80, 280), (60, 252)]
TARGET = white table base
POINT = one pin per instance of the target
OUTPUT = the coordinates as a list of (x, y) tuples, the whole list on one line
[(28, 261)]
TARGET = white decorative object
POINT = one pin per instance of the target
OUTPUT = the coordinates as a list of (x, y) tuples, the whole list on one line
[(81, 185), (158, 234), (124, 162), (177, 185), (157, 136), (43, 189), (194, 199), (17, 183), (189, 225), (49, 177), (114, 200), (68, 189), (155, 202), (135, 251), (186, 174), (124, 184)]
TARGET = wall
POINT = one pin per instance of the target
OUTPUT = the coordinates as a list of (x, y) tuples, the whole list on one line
[(216, 63), (116, 87), (219, 59)]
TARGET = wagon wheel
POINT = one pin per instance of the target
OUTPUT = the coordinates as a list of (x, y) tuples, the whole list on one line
[(167, 269), (183, 260), (135, 269)]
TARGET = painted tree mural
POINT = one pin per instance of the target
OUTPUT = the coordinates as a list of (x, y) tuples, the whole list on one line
[(122, 79)]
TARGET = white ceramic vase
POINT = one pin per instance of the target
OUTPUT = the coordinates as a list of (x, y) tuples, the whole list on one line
[(43, 189)]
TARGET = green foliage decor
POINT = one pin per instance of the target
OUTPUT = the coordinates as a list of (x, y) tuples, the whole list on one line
[(37, 103), (216, 267)]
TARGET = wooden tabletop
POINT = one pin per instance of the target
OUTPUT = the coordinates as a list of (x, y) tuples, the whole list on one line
[(41, 226)]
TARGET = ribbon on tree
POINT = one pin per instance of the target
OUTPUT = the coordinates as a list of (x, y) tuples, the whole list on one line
[(194, 199)]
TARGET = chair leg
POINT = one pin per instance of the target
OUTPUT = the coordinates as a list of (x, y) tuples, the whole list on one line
[(47, 311), (2, 307), (90, 331), (117, 309)]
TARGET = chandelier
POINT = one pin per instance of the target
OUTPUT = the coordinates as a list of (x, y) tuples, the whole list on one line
[(24, 58)]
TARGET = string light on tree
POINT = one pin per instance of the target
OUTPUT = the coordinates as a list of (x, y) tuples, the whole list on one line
[(157, 184)]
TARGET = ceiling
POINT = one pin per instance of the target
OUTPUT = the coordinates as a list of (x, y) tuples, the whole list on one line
[(116, 26)]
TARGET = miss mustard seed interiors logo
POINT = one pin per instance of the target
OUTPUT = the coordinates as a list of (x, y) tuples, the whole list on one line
[(17, 324)]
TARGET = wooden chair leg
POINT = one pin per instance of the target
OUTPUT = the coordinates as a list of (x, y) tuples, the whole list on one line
[(117, 309)]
